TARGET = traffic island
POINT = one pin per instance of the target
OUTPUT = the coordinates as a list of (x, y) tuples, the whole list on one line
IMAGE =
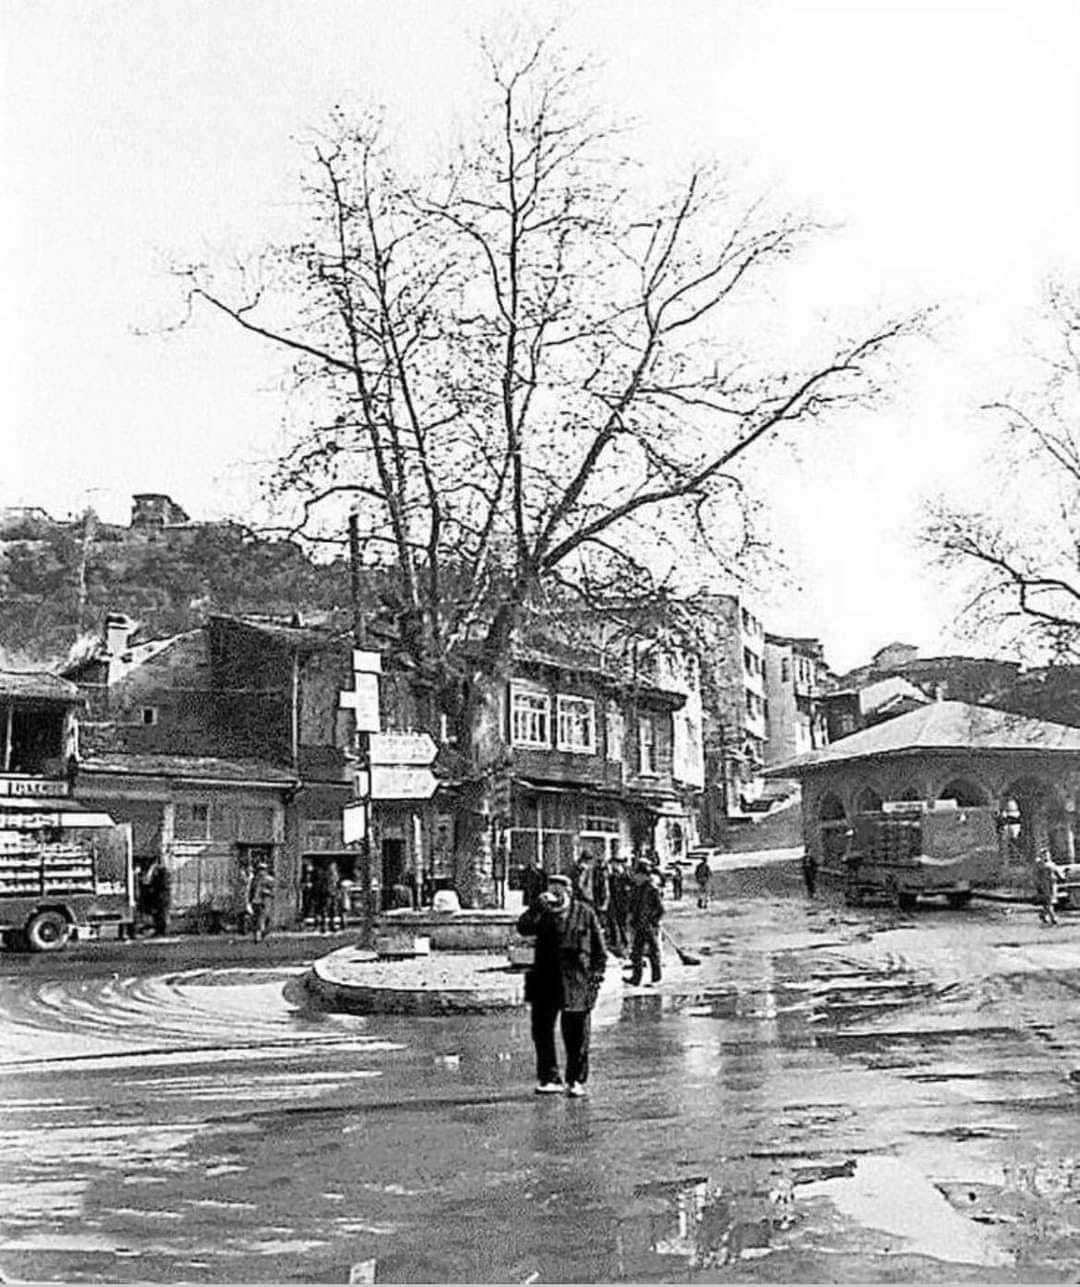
[(442, 983)]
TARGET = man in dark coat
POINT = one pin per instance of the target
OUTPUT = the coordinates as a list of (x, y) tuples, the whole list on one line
[(567, 970), (533, 882), (647, 910), (617, 921)]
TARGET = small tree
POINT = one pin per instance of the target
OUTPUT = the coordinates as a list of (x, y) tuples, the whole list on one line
[(1020, 563), (528, 377)]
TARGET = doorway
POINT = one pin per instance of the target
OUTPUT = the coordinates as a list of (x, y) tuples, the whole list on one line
[(393, 873)]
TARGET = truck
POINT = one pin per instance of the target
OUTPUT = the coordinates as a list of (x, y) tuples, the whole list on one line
[(907, 851), (64, 873)]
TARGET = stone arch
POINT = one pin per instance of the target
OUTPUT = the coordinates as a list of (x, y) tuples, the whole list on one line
[(967, 793), (834, 830), (1041, 821), (868, 800)]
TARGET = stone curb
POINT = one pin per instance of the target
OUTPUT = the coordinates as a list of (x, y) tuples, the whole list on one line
[(413, 987)]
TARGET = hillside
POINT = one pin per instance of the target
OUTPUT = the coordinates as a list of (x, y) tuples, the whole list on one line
[(58, 579)]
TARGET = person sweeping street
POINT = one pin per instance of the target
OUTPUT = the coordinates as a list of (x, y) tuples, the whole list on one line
[(647, 910), (563, 983)]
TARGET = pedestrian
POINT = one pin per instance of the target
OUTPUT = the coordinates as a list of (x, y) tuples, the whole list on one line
[(647, 910), (809, 872), (703, 874), (563, 983), (260, 898), (328, 909), (591, 883), (616, 919), (1047, 875), (157, 885), (676, 881), (533, 881)]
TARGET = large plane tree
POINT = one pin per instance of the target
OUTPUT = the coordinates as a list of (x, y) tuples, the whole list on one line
[(531, 372)]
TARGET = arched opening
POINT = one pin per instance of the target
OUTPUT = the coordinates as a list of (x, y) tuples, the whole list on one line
[(1034, 819), (833, 827), (910, 794), (967, 794), (868, 801)]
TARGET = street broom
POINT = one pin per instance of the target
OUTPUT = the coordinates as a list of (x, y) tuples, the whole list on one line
[(685, 957)]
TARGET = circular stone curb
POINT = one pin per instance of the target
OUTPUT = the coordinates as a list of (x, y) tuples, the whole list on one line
[(444, 983)]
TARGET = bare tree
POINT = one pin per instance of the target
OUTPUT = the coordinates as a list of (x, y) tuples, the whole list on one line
[(1020, 562), (527, 379)]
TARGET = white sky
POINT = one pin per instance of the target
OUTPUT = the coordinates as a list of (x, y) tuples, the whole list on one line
[(943, 136)]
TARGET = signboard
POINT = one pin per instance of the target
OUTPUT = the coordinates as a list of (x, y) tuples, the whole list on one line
[(363, 701), (354, 822), (33, 786), (403, 748), (402, 782), (366, 663)]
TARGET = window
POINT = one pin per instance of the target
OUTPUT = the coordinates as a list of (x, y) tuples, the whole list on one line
[(785, 670), (646, 746), (149, 714), (530, 717), (577, 724), (192, 822), (616, 733)]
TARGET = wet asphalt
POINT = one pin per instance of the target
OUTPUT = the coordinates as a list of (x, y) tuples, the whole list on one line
[(832, 1095)]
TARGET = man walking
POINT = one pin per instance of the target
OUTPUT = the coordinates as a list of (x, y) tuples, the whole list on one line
[(702, 874), (563, 982), (1047, 875), (647, 910), (260, 897)]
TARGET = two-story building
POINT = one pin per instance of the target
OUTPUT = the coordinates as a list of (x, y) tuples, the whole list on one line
[(596, 761)]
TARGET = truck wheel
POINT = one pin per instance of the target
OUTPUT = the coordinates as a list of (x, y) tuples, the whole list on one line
[(960, 898), (47, 932), (906, 900)]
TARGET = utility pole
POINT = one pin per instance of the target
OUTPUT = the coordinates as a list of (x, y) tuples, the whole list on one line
[(365, 667)]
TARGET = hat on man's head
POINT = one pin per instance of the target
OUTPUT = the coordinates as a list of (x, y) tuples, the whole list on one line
[(559, 880)]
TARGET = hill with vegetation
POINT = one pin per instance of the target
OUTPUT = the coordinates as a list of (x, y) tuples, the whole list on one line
[(59, 580)]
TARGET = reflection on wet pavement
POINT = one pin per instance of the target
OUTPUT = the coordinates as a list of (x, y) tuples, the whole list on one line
[(825, 1096)]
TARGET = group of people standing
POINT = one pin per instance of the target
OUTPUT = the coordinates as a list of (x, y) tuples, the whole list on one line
[(576, 920)]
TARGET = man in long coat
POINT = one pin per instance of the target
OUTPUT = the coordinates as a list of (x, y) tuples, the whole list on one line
[(567, 970)]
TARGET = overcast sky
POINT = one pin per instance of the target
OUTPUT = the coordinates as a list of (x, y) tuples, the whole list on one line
[(942, 137)]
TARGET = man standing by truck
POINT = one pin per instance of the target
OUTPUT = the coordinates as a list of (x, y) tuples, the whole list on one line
[(157, 887)]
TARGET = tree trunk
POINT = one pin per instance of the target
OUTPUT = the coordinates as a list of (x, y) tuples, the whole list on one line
[(486, 755)]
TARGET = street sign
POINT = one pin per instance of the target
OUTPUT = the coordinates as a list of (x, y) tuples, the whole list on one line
[(403, 748), (366, 663), (402, 782), (354, 822)]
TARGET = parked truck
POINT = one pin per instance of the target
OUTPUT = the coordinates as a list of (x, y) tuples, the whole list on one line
[(910, 851), (63, 873)]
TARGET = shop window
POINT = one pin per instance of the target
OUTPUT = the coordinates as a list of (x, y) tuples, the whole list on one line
[(192, 822)]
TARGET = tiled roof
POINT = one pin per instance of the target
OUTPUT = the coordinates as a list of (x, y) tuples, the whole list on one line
[(37, 685), (941, 726), (206, 767)]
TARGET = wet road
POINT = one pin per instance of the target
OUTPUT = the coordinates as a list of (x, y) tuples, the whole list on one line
[(831, 1095)]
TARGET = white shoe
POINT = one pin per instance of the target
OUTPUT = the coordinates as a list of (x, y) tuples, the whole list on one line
[(550, 1088), (576, 1090)]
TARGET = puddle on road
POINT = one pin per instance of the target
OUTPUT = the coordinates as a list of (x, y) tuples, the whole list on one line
[(883, 1193)]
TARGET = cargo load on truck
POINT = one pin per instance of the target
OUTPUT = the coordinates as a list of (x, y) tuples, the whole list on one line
[(912, 850), (64, 872)]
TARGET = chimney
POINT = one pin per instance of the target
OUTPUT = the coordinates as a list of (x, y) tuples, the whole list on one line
[(118, 630)]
